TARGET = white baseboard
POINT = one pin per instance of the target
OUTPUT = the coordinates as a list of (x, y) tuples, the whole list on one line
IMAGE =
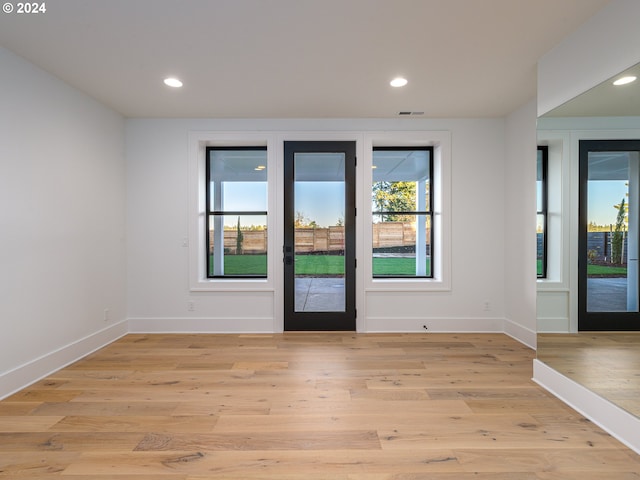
[(20, 377), (435, 325), (373, 325), (522, 334), (200, 325), (611, 418)]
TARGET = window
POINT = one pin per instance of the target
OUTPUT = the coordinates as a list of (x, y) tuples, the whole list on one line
[(236, 212), (541, 195), (402, 200)]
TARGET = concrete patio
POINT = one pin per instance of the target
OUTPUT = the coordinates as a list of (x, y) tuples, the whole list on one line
[(607, 294), (319, 294)]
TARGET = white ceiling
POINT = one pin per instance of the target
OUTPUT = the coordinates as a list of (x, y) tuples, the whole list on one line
[(297, 58)]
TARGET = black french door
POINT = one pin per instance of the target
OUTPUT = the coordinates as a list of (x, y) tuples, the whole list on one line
[(319, 236), (608, 286)]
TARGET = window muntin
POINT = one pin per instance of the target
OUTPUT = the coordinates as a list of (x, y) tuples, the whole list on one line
[(402, 220), (236, 212), (541, 201)]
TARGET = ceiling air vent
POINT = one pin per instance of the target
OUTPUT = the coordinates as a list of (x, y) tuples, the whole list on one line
[(409, 114)]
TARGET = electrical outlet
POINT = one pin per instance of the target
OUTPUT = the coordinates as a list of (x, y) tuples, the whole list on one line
[(191, 306), (486, 306), (106, 315)]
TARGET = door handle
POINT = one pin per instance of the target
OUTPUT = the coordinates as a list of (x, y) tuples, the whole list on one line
[(287, 252)]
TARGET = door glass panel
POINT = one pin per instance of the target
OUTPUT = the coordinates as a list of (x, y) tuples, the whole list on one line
[(319, 247), (612, 231)]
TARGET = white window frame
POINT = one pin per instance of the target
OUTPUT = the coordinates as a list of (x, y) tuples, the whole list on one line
[(441, 143), (557, 232), (196, 241)]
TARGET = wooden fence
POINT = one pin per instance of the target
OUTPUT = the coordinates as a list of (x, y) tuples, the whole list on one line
[(599, 246), (331, 239), (393, 234)]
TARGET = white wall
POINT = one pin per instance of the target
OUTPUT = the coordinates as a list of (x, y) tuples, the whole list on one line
[(158, 222), (62, 223), (520, 224)]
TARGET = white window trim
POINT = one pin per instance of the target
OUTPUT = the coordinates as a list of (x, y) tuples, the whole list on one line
[(440, 140), (198, 142), (441, 143), (557, 205)]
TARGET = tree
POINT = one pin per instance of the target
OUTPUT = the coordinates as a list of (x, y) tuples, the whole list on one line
[(303, 222), (617, 237), (239, 239), (394, 197), (299, 220)]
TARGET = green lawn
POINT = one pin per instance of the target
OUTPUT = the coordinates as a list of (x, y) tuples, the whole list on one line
[(243, 264), (598, 270), (317, 265), (334, 265), (396, 266), (606, 270)]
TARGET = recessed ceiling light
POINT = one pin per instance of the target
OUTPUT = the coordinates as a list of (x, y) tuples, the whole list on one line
[(624, 80), (398, 82), (172, 82)]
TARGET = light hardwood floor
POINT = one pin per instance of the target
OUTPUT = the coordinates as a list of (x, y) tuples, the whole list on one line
[(607, 363), (303, 405)]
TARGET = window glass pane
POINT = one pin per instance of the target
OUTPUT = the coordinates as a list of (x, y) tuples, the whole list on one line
[(401, 180), (396, 252), (244, 196), (244, 245), (540, 245), (401, 205), (237, 212), (539, 181), (541, 206), (238, 180)]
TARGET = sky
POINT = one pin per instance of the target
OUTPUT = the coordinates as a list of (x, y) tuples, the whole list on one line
[(603, 195), (324, 201), (245, 196), (319, 201)]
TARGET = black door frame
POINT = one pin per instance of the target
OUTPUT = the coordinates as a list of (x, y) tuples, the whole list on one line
[(597, 321), (319, 321)]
